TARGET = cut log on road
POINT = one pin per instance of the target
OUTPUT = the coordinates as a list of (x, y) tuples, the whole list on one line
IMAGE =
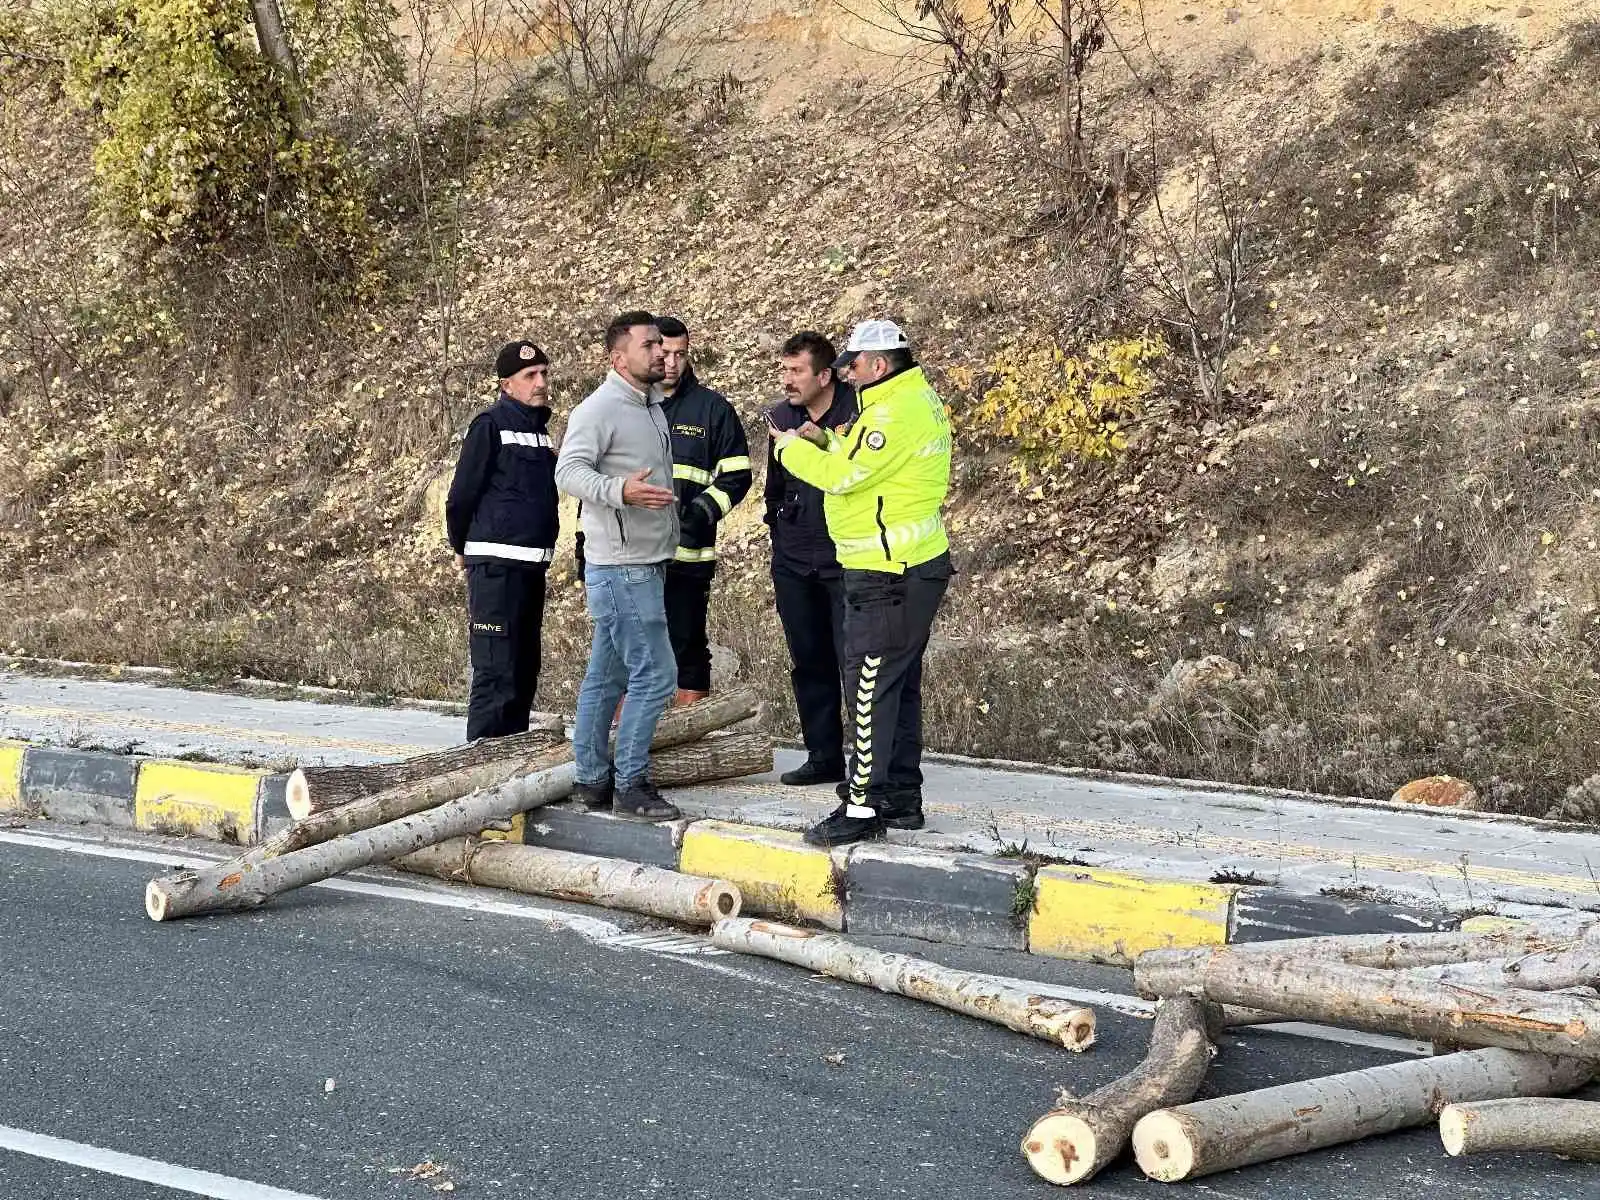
[(1235, 1131), (1076, 1139), (230, 885), (1382, 950), (316, 789), (402, 801), (960, 991), (611, 882), (712, 758), (1396, 1002), (1570, 1128), (1576, 966)]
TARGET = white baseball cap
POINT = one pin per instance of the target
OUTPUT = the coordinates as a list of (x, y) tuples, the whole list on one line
[(872, 335)]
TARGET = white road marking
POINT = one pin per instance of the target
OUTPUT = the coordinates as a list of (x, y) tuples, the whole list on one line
[(590, 927), (691, 948), (146, 1170)]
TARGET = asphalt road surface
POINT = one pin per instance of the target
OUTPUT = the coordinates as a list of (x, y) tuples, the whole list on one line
[(382, 1038)]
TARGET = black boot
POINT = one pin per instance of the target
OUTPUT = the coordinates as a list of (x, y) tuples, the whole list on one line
[(902, 811), (594, 796), (811, 772), (641, 801), (842, 827)]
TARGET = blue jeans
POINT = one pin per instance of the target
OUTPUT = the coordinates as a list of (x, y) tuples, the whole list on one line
[(631, 653)]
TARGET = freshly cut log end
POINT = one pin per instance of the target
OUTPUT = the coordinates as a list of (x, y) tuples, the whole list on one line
[(1570, 1128), (155, 900), (723, 900), (1453, 1129), (1162, 1147), (297, 795), (1075, 1028), (1061, 1148)]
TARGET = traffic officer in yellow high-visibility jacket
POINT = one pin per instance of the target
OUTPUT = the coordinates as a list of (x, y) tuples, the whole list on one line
[(883, 482)]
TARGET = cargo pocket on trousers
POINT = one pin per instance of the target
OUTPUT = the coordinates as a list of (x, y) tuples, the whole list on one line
[(488, 600), (875, 624)]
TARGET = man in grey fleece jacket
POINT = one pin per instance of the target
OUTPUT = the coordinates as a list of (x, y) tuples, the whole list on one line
[(616, 458)]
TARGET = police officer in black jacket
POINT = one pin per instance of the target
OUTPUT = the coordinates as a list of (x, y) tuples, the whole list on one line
[(806, 579), (710, 473), (501, 519)]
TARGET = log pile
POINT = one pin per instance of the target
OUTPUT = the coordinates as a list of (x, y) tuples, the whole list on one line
[(1514, 1012), (425, 811)]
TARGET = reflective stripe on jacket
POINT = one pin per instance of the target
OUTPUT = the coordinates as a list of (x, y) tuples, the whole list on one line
[(710, 463)]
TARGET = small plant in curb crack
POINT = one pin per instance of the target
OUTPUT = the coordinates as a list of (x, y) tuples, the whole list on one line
[(838, 884), (1024, 900)]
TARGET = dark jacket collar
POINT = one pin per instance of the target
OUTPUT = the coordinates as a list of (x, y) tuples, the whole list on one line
[(534, 420), (688, 384)]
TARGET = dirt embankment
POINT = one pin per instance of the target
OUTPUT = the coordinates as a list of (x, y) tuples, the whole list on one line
[(1386, 528)]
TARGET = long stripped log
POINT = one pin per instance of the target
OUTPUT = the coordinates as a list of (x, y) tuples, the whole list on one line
[(401, 801), (960, 991), (1574, 966), (1389, 951), (231, 886), (1570, 1128), (1396, 1002), (1075, 1140), (1235, 1131), (610, 882)]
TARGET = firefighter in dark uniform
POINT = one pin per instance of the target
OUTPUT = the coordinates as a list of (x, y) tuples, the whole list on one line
[(710, 473), (501, 519), (807, 581)]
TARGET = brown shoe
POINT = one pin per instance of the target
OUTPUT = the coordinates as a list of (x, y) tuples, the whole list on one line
[(685, 696)]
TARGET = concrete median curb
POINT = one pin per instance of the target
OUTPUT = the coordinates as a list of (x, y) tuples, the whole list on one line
[(1060, 910), (169, 796)]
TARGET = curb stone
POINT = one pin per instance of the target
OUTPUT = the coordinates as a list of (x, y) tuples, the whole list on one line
[(877, 888)]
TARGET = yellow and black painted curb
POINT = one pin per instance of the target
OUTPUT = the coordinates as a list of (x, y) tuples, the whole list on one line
[(1061, 910), (170, 796)]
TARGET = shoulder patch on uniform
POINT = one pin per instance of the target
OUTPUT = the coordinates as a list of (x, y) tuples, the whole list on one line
[(875, 440)]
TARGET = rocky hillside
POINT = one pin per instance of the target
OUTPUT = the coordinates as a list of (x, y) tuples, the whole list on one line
[(1379, 534)]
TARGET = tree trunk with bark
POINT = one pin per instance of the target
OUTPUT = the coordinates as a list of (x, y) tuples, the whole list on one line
[(1075, 1140), (960, 991), (712, 758), (402, 801), (1392, 951), (320, 789), (1396, 1002), (609, 882), (1570, 1128), (1575, 966), (273, 39), (234, 885), (1234, 1131), (316, 789)]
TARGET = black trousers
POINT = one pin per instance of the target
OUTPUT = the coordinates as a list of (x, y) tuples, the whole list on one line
[(887, 620), (811, 609), (688, 595), (505, 610)]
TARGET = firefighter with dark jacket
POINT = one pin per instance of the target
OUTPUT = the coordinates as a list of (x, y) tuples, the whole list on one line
[(501, 518), (710, 473), (807, 581)]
